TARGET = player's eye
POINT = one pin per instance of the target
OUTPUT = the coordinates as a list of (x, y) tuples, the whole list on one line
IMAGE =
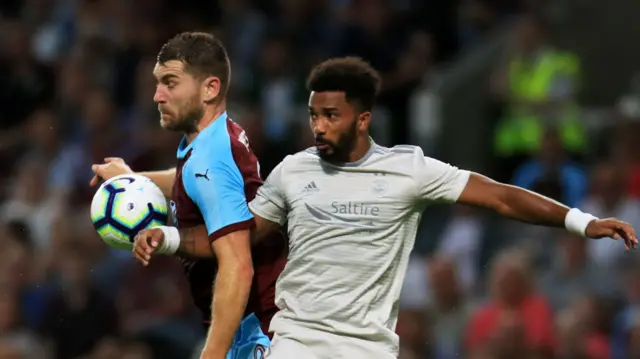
[(171, 85)]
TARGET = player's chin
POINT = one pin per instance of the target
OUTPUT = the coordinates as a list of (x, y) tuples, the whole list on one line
[(167, 124), (325, 151)]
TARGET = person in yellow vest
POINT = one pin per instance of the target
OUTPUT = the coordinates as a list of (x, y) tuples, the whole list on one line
[(538, 84)]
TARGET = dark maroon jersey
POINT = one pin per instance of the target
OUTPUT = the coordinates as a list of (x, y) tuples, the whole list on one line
[(217, 175)]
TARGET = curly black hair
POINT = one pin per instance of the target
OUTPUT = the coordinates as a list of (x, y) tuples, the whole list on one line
[(355, 77)]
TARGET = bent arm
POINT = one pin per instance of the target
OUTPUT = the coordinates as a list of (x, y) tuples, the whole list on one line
[(513, 202), (195, 242), (163, 179)]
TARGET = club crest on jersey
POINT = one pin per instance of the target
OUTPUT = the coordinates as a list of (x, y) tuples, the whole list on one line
[(380, 187)]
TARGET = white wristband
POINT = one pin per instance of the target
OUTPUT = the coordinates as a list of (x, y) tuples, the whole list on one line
[(576, 221), (171, 241)]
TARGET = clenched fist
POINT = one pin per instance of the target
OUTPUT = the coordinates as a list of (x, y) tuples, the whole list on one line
[(112, 166), (145, 243), (613, 228)]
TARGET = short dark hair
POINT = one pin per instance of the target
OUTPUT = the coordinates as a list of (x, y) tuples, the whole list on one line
[(355, 77), (202, 54)]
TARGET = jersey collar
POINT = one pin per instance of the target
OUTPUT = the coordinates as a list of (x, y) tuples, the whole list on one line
[(184, 148)]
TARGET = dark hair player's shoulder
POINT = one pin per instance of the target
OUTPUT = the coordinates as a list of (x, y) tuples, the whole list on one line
[(202, 54), (355, 77)]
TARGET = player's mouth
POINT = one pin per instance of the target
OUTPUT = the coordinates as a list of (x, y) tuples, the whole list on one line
[(322, 146)]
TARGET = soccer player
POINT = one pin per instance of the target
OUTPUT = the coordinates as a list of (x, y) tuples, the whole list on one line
[(352, 209), (217, 173)]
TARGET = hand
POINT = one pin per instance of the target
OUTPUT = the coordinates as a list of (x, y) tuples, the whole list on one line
[(146, 243), (112, 166), (613, 228)]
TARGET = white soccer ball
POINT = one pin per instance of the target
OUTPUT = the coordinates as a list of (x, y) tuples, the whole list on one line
[(123, 206)]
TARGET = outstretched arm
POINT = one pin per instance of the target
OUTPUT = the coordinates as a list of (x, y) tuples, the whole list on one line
[(526, 206), (439, 182)]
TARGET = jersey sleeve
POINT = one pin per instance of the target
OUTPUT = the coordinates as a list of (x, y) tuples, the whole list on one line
[(438, 181), (270, 202), (214, 183)]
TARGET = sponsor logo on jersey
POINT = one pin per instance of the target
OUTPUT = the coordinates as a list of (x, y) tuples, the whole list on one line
[(346, 214)]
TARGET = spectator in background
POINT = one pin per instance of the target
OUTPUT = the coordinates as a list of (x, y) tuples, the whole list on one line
[(461, 242), (507, 340), (415, 292), (22, 271), (32, 202), (572, 336), (633, 338), (477, 17), (27, 83), (153, 303), (14, 336), (413, 327), (625, 153), (608, 198), (573, 274), (449, 310), (275, 88), (246, 26), (414, 65), (46, 143), (588, 316), (514, 303), (538, 86), (108, 348), (88, 314), (552, 173), (626, 322)]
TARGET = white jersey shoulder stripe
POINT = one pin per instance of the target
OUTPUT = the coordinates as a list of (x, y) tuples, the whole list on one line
[(403, 149)]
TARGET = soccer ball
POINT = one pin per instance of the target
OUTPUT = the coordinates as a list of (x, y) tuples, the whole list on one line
[(123, 206)]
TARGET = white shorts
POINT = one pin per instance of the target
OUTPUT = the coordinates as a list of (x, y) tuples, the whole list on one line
[(321, 345)]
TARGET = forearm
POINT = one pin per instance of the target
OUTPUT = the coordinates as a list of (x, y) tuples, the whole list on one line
[(231, 292), (163, 179), (526, 206), (513, 202), (194, 242)]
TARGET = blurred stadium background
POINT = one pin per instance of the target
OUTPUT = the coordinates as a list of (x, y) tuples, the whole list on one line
[(542, 94)]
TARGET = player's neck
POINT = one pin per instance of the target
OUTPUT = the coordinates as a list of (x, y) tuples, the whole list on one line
[(363, 145), (211, 114)]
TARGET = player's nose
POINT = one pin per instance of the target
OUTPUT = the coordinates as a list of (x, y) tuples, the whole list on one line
[(159, 96), (319, 127)]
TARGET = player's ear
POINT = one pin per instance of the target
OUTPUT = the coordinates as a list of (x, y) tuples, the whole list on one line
[(211, 88), (364, 120)]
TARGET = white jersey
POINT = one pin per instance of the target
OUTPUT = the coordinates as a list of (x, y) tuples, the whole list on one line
[(351, 229)]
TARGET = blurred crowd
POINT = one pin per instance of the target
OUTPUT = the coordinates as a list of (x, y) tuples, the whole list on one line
[(77, 87)]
